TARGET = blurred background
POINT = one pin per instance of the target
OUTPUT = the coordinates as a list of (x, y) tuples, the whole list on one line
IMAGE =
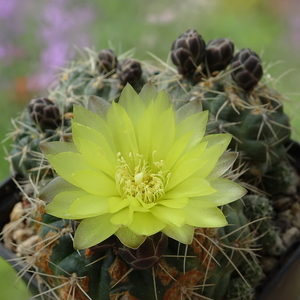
[(38, 38)]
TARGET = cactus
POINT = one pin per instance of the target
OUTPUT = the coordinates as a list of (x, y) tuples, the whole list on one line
[(220, 263)]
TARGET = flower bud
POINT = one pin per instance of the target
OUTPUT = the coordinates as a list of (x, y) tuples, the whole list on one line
[(129, 71), (247, 69), (107, 61), (44, 113), (187, 52), (219, 53), (148, 254)]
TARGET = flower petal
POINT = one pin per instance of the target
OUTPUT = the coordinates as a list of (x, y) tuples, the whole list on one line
[(122, 217), (98, 126), (95, 182), (188, 164), (145, 223), (204, 214), (123, 131), (227, 191), (224, 163), (222, 139), (148, 93), (88, 206), (189, 109), (163, 134), (132, 103), (210, 156), (68, 163), (191, 187), (62, 202), (116, 203), (55, 148), (162, 103), (176, 150), (196, 124), (130, 239), (169, 215), (182, 234), (96, 158), (56, 186), (151, 137), (98, 106), (174, 203), (103, 147), (92, 231), (91, 120)]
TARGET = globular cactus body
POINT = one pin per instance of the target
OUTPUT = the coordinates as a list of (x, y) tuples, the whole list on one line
[(220, 264)]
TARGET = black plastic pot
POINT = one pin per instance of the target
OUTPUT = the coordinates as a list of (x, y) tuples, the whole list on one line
[(284, 283)]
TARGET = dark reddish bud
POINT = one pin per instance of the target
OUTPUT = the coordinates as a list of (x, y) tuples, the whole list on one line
[(44, 113), (247, 69), (148, 254), (219, 53), (129, 71), (107, 61), (187, 52)]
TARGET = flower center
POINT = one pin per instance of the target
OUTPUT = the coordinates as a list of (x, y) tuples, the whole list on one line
[(141, 181)]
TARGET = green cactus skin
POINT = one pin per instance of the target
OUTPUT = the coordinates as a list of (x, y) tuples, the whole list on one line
[(219, 264)]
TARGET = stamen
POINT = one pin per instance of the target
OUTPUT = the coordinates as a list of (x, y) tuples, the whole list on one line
[(141, 181)]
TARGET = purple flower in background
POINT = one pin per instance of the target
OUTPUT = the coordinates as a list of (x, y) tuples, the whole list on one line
[(43, 32), (62, 26), (7, 8)]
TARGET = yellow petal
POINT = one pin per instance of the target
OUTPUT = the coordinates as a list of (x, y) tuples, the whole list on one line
[(162, 103), (145, 132), (54, 187), (122, 217), (226, 192), (182, 234), (196, 124), (169, 215), (62, 202), (148, 93), (130, 239), (191, 187), (188, 164), (88, 206), (224, 163), (106, 146), (144, 223), (68, 163), (97, 158), (117, 203), (176, 150), (91, 120), (174, 203), (132, 103), (218, 139), (151, 137), (189, 109), (211, 156), (93, 231), (204, 214), (163, 135), (123, 131), (95, 182), (55, 148)]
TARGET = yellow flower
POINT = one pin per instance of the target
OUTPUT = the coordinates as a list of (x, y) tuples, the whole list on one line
[(136, 168)]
